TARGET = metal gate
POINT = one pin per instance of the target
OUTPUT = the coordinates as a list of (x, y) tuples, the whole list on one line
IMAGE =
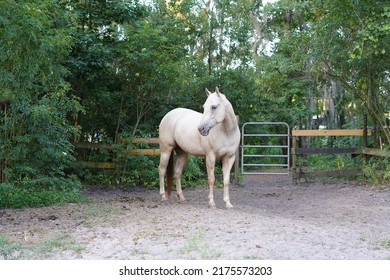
[(265, 148)]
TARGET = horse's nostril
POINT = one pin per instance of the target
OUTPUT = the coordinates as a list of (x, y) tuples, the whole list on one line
[(203, 130)]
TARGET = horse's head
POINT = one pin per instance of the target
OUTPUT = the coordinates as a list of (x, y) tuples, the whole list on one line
[(214, 111)]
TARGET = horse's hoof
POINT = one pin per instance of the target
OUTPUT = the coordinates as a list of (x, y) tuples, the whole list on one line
[(182, 198), (212, 206), (164, 198), (228, 205)]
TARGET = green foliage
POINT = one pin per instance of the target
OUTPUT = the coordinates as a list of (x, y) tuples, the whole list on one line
[(198, 246), (24, 195), (38, 145), (36, 132), (195, 171), (34, 40), (330, 162), (139, 170), (377, 171), (42, 250), (8, 249), (353, 48), (48, 247)]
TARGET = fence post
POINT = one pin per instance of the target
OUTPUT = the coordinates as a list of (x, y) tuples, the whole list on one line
[(365, 141), (237, 159), (295, 174)]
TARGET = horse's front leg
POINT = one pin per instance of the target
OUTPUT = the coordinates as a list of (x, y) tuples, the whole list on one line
[(227, 164), (210, 164)]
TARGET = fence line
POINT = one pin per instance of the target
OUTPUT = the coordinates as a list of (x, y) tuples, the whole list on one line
[(112, 165), (139, 151), (297, 171)]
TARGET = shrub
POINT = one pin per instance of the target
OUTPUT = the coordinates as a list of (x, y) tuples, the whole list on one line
[(20, 197), (377, 170)]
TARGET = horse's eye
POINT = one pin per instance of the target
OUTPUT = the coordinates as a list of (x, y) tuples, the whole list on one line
[(213, 107)]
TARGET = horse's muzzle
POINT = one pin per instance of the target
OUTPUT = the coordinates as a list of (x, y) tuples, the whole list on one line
[(204, 130)]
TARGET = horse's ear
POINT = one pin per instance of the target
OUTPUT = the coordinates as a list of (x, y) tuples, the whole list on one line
[(217, 91), (208, 92)]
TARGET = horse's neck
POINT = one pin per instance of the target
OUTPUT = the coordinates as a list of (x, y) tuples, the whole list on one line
[(230, 122)]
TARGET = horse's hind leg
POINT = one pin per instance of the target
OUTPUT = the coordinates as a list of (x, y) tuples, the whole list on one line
[(180, 162), (162, 170)]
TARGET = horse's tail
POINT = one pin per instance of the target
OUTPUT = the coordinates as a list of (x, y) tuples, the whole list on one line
[(170, 175)]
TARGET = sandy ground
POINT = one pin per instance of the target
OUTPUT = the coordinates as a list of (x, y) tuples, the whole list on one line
[(272, 218)]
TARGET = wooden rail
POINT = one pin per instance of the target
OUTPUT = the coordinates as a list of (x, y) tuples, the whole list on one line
[(297, 170), (123, 141), (330, 132), (141, 151), (376, 152)]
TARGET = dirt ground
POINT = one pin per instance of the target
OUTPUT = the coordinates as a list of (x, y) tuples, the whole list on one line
[(272, 218)]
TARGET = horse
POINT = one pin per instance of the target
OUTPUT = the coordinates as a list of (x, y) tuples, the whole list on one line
[(214, 134)]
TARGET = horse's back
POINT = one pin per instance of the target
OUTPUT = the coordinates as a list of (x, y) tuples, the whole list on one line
[(179, 127), (177, 118)]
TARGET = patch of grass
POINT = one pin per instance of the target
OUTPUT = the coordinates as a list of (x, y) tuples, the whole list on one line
[(19, 197), (100, 214), (381, 244), (8, 249), (41, 250), (199, 247), (98, 211), (138, 251), (385, 244), (47, 247), (36, 229)]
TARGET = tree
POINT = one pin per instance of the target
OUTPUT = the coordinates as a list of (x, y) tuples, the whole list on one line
[(93, 62), (283, 77), (329, 58), (352, 47), (153, 65), (35, 120)]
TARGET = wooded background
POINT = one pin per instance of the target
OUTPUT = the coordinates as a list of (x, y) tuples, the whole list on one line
[(92, 70)]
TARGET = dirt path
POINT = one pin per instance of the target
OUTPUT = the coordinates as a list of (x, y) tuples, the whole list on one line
[(272, 219)]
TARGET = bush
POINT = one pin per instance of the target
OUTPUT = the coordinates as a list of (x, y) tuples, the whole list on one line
[(139, 170), (195, 171), (330, 162), (377, 170), (20, 197)]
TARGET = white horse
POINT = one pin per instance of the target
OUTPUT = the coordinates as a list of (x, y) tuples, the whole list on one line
[(213, 134)]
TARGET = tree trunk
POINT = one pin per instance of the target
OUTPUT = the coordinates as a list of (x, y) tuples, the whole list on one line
[(119, 118)]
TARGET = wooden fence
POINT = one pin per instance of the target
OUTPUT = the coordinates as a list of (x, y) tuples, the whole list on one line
[(111, 147), (297, 171), (138, 151)]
